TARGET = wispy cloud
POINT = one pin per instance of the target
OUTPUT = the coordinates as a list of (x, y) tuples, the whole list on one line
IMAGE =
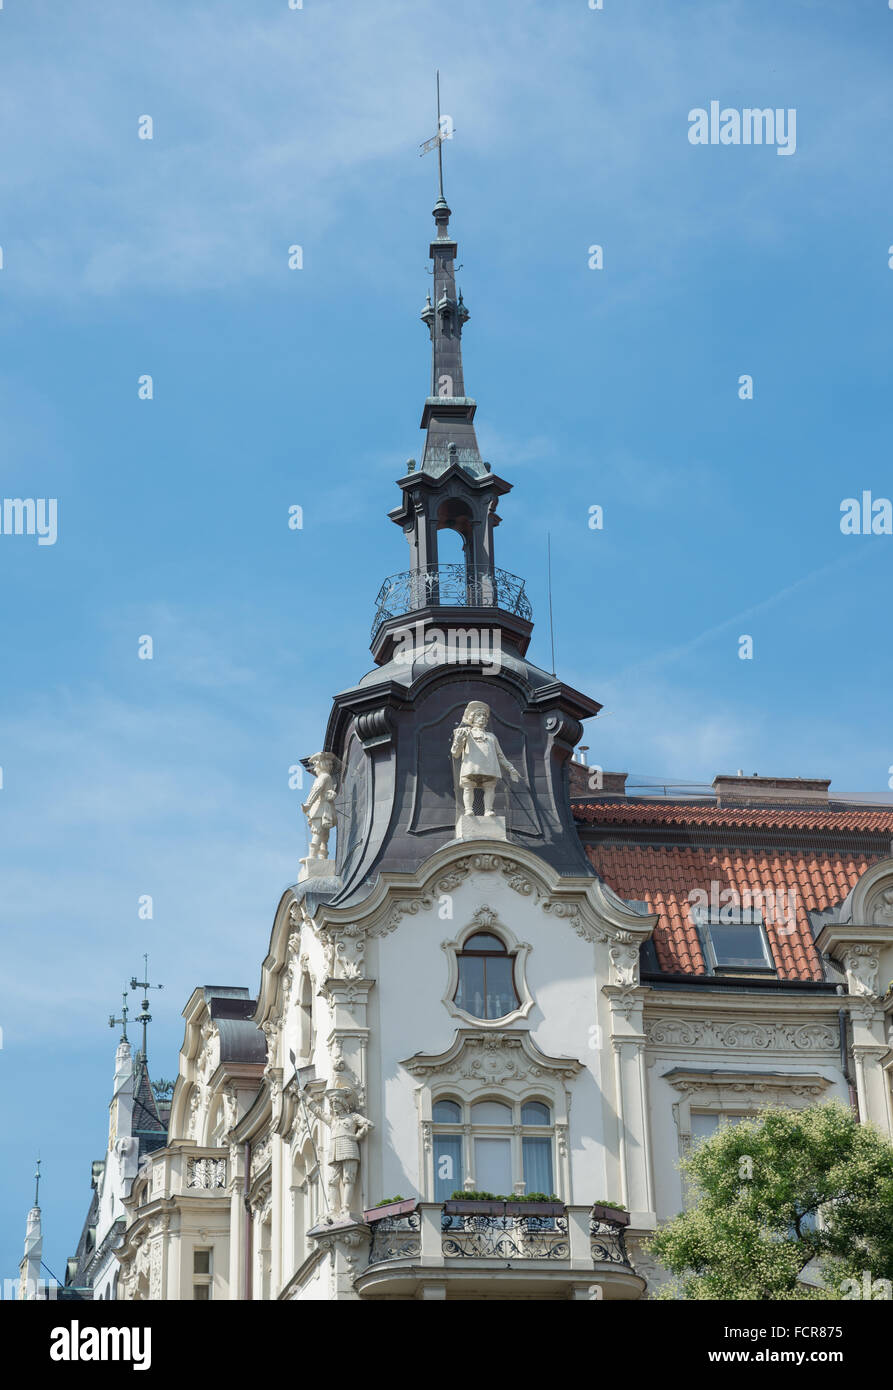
[(263, 122)]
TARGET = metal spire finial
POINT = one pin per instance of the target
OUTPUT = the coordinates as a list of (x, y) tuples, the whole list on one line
[(436, 142), (37, 1183), (439, 140), (145, 1017)]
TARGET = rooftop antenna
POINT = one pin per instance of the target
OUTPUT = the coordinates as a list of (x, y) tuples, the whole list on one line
[(113, 1022), (551, 624), (145, 1017)]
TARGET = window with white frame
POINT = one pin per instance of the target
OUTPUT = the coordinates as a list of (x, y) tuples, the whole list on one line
[(501, 1145)]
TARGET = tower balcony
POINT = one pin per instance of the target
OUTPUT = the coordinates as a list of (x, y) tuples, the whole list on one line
[(449, 586), (432, 1252)]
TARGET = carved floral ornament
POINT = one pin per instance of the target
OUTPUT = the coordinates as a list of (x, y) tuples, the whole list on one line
[(671, 1031), (862, 965), (260, 1156), (262, 1201), (498, 1059), (625, 961), (344, 941), (206, 1172), (205, 1063)]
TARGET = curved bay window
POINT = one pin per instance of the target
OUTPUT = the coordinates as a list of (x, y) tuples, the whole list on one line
[(486, 987), (501, 1145)]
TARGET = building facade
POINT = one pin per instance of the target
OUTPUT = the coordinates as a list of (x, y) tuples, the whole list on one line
[(494, 1016)]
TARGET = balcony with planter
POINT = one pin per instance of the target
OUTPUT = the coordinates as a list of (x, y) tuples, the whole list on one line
[(498, 1249)]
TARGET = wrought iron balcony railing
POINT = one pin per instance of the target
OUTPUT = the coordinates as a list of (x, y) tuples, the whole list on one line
[(508, 1237), (450, 586), (505, 1237), (607, 1242), (396, 1237)]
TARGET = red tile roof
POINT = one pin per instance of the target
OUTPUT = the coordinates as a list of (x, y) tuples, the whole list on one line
[(859, 818), (663, 875)]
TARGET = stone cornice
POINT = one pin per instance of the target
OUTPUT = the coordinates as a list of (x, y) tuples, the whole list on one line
[(692, 1079), (729, 1006), (835, 939)]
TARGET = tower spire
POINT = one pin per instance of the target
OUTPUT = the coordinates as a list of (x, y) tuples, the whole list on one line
[(145, 1018), (448, 413), (30, 1284)]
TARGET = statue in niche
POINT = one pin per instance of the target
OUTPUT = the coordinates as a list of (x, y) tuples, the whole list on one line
[(478, 759), (348, 1127), (319, 808)]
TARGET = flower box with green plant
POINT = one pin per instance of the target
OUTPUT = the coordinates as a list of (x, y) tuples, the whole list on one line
[(615, 1212), (496, 1204), (391, 1206)]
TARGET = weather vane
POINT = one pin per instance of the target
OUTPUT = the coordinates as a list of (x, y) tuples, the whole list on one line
[(145, 1017), (444, 132)]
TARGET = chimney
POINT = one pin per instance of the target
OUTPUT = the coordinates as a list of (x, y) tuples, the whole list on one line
[(743, 791), (588, 781)]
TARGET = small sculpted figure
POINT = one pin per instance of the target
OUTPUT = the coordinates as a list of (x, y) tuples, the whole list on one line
[(319, 808), (480, 760)]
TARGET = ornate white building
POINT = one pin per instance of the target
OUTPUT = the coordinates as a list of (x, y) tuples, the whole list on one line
[(489, 988)]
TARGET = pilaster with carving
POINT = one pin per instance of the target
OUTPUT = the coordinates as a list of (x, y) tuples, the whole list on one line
[(866, 954)]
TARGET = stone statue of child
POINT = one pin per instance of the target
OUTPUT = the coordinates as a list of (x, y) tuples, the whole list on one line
[(319, 808), (481, 761)]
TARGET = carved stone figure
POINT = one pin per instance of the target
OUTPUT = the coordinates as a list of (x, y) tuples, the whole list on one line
[(478, 761), (883, 912), (319, 808), (348, 1127)]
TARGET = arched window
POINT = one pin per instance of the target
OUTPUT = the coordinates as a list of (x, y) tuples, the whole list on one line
[(486, 987), (501, 1144)]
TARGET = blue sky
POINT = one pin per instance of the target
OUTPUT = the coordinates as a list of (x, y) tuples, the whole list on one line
[(274, 387)]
